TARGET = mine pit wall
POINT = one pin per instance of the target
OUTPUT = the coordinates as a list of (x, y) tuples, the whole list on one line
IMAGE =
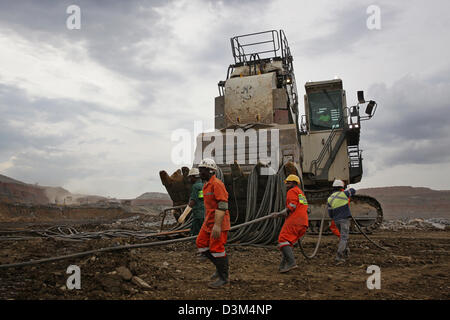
[(22, 193), (10, 212)]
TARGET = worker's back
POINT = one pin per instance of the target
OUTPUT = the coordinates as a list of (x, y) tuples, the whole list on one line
[(338, 208)]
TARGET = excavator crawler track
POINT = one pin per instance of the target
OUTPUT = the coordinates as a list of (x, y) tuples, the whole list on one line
[(365, 209)]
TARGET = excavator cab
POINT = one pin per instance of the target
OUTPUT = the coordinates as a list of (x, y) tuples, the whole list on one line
[(324, 107)]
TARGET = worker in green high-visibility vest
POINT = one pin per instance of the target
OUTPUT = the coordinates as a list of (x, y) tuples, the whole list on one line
[(196, 203), (339, 211)]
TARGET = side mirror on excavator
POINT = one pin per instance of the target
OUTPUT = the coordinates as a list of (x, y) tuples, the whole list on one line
[(370, 108)]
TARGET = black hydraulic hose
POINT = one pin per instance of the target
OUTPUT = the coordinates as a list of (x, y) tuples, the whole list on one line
[(123, 247), (367, 237), (235, 201)]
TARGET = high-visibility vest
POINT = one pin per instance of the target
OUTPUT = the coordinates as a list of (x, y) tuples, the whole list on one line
[(337, 199), (302, 199)]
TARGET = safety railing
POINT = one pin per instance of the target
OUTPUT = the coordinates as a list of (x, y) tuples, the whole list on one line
[(327, 148), (244, 46)]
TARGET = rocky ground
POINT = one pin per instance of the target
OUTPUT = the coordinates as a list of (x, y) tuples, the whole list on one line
[(415, 267), (416, 224)]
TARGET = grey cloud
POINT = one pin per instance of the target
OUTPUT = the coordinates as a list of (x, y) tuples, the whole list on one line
[(53, 170), (351, 28), (19, 113), (109, 28), (112, 31), (15, 106), (411, 121)]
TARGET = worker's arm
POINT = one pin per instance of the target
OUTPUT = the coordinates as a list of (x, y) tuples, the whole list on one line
[(291, 207), (218, 219), (330, 213), (221, 196), (350, 192), (191, 204), (292, 202)]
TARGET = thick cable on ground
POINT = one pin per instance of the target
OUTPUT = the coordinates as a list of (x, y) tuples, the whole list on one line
[(123, 247)]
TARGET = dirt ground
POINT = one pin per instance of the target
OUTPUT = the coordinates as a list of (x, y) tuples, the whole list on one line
[(416, 267)]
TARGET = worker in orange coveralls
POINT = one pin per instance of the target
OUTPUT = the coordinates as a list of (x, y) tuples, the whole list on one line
[(296, 222), (334, 229), (214, 231)]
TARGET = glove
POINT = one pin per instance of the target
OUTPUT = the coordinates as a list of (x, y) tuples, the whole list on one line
[(216, 230), (184, 214), (282, 213)]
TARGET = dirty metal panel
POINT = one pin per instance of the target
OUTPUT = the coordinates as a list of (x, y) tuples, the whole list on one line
[(250, 147), (281, 116), (312, 145), (219, 113), (246, 70), (249, 99), (280, 98)]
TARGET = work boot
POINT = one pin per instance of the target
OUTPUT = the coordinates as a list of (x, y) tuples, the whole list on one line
[(201, 257), (290, 263), (209, 256), (346, 252), (214, 276), (282, 263), (222, 271), (339, 259)]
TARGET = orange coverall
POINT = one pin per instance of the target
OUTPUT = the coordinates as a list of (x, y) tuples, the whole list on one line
[(334, 229), (213, 192), (296, 222)]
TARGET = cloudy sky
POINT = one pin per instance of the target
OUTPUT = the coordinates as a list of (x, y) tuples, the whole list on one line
[(93, 110)]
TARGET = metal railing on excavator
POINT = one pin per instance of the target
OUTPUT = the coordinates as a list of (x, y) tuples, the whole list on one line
[(269, 43), (332, 151)]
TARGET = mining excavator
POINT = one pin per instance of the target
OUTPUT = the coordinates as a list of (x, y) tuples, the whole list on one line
[(260, 138)]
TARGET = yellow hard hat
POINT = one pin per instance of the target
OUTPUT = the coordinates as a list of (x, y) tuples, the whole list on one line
[(292, 177)]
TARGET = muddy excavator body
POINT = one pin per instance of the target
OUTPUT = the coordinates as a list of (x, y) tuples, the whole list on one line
[(259, 132)]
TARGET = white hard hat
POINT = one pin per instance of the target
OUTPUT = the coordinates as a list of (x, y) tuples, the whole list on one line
[(208, 163), (193, 172), (338, 183)]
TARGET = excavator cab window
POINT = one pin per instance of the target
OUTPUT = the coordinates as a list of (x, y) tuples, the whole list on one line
[(325, 109)]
